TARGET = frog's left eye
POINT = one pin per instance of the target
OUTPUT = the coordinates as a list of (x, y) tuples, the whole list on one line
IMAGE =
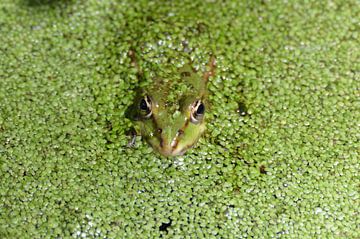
[(197, 112), (145, 107)]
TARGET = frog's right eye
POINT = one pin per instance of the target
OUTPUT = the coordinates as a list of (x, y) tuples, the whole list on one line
[(145, 107), (197, 112)]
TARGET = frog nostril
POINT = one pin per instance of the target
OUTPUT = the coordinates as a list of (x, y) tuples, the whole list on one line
[(180, 132)]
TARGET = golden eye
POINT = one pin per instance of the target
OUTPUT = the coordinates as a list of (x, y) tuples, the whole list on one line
[(145, 107), (197, 112)]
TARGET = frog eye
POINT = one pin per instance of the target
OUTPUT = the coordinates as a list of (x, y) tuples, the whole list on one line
[(145, 107), (197, 112)]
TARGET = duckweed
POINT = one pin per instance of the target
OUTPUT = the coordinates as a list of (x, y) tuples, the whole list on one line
[(279, 159)]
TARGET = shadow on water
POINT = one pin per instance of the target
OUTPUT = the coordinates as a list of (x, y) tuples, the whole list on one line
[(49, 3)]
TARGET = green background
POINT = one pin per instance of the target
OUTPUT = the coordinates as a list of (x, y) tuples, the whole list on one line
[(279, 159)]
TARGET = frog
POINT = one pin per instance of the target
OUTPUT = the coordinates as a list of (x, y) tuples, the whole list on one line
[(169, 114)]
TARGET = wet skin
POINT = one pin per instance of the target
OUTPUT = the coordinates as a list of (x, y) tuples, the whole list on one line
[(170, 113)]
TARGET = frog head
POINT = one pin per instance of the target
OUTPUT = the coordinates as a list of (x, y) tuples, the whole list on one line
[(171, 112)]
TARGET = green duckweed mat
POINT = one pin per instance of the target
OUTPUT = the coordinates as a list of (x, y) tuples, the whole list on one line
[(280, 156)]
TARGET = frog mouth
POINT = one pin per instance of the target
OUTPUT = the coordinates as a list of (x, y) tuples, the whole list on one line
[(174, 148), (171, 149), (168, 150), (177, 145)]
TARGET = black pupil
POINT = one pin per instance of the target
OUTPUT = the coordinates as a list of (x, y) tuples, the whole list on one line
[(143, 105), (201, 109)]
